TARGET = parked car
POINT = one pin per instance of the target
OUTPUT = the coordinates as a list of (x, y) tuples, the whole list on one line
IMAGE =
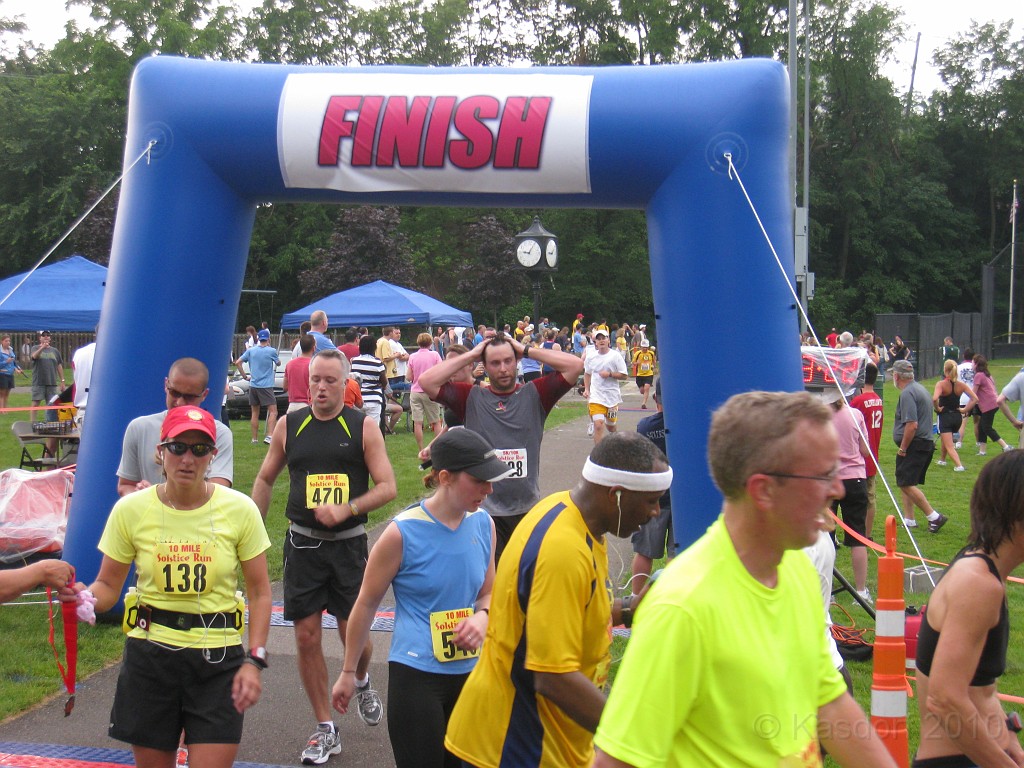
[(238, 394)]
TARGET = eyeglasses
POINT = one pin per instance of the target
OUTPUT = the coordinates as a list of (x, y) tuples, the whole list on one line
[(199, 450), (829, 478), (186, 396)]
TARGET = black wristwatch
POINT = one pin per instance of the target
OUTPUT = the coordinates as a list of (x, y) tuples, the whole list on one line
[(526, 351), (257, 657)]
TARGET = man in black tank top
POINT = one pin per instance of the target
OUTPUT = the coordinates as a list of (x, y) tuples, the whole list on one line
[(332, 452)]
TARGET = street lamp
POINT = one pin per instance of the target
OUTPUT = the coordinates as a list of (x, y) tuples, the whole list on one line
[(537, 253)]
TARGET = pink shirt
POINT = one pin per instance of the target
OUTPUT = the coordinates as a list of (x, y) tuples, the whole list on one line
[(849, 423), (420, 361), (985, 388), (296, 379)]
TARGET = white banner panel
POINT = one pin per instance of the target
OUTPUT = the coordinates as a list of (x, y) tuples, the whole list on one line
[(391, 132)]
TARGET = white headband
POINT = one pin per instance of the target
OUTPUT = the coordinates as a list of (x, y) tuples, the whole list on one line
[(631, 481)]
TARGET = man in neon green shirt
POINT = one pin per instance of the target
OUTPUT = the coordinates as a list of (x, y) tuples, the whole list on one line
[(691, 691)]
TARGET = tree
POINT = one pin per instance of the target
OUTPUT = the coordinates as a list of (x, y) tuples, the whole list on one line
[(365, 245), (978, 119), (301, 32)]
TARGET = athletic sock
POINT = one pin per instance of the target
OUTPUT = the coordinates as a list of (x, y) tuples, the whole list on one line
[(364, 682)]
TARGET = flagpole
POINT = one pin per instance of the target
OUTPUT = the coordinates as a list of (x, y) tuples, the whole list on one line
[(1013, 257)]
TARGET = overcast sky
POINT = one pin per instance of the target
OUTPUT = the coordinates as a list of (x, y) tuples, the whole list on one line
[(936, 20)]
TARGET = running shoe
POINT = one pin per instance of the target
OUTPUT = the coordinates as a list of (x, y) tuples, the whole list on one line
[(865, 596), (181, 759), (940, 463), (910, 523), (934, 526), (267, 439), (322, 744), (590, 429), (961, 468), (368, 704)]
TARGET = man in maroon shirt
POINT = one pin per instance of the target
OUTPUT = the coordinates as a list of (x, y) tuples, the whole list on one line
[(350, 348), (509, 415)]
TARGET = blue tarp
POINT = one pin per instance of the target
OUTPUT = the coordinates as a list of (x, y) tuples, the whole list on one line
[(380, 303), (66, 296)]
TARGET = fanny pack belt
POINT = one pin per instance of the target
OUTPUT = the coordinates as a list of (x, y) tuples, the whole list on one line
[(184, 621), (314, 533)]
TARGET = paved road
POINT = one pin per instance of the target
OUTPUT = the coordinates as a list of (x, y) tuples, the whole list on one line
[(276, 729)]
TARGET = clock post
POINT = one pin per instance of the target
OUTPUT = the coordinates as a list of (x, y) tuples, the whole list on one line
[(537, 253)]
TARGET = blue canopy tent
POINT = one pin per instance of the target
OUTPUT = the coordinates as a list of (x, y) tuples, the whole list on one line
[(380, 303), (65, 296)]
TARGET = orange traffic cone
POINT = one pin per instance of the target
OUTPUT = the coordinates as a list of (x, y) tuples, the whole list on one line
[(889, 680)]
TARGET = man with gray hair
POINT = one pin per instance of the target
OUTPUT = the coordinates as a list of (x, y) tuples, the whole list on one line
[(318, 330), (912, 431), (708, 700), (845, 340)]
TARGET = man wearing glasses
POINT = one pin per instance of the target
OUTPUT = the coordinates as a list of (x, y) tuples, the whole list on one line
[(710, 700), (186, 384)]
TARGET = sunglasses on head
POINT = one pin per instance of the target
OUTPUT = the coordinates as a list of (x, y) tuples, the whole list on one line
[(180, 449)]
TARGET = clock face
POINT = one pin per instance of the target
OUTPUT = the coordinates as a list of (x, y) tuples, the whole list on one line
[(551, 254), (528, 253)]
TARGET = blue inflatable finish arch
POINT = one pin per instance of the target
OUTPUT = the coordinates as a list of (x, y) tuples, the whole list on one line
[(230, 136)]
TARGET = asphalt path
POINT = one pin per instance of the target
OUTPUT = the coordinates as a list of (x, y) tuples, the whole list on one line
[(277, 728)]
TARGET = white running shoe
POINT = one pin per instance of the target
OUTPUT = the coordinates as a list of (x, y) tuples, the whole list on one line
[(322, 744)]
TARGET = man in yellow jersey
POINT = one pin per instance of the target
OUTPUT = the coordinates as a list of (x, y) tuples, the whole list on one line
[(536, 695), (644, 361), (709, 700)]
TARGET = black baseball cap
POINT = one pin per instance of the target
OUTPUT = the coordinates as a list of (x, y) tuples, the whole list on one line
[(463, 450)]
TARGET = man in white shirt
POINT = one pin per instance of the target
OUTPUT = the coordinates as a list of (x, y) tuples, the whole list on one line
[(965, 372), (81, 364), (602, 371), (398, 381)]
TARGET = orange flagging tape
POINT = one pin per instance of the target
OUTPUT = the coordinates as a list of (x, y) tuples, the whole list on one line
[(880, 549)]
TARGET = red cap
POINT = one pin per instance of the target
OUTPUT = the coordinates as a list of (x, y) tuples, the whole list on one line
[(579, 316), (186, 418)]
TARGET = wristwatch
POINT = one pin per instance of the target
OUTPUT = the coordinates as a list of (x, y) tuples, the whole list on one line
[(257, 657)]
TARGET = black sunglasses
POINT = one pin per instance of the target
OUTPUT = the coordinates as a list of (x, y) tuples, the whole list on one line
[(188, 397), (180, 449)]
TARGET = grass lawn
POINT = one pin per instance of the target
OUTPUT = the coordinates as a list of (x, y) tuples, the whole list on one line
[(28, 673)]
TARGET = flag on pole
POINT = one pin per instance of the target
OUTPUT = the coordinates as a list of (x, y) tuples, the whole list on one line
[(1013, 205)]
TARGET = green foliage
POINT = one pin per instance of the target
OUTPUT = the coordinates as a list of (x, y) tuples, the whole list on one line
[(896, 198)]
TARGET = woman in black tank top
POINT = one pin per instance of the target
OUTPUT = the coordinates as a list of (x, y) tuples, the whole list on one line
[(962, 720), (946, 399)]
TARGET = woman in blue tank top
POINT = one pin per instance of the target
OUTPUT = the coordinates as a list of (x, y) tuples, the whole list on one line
[(438, 557), (961, 649)]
